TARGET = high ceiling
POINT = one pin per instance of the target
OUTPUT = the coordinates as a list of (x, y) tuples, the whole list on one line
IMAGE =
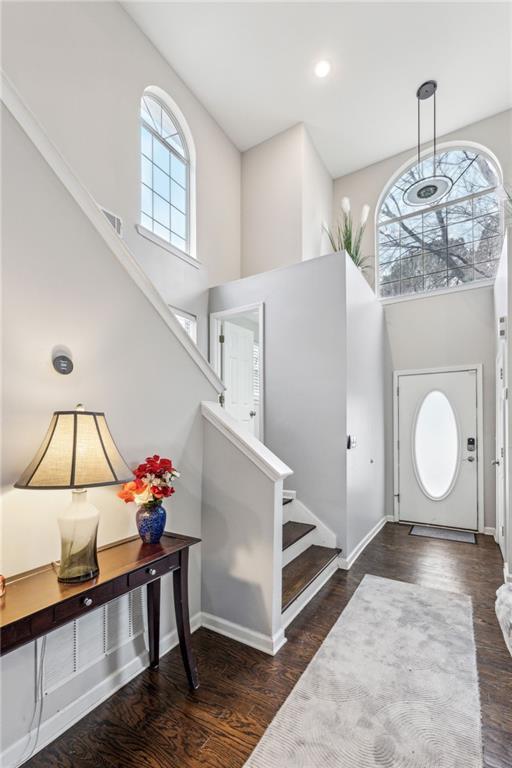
[(251, 65)]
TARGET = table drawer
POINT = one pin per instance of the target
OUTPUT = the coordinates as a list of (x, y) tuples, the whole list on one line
[(85, 602), (153, 570), (15, 634)]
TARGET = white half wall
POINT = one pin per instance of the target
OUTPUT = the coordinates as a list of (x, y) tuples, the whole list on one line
[(81, 68), (242, 533)]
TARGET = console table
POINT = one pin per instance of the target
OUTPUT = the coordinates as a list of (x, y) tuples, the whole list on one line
[(35, 603)]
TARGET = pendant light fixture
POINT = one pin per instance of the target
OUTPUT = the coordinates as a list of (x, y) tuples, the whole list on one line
[(429, 189)]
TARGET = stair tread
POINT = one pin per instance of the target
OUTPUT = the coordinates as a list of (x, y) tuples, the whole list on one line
[(302, 571), (293, 531), (286, 500)]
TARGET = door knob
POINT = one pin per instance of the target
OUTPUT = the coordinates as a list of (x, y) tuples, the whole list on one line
[(252, 414), (495, 463)]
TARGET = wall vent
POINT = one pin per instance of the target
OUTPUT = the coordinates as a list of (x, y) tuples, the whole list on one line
[(115, 220), (71, 649)]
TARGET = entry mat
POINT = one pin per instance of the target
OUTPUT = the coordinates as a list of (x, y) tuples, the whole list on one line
[(443, 533)]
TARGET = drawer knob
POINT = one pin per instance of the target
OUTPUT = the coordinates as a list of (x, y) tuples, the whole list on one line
[(87, 602), (152, 571)]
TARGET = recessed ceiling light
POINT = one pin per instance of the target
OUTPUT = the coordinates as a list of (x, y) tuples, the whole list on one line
[(322, 68)]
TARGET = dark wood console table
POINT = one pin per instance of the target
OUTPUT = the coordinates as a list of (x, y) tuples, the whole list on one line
[(35, 603)]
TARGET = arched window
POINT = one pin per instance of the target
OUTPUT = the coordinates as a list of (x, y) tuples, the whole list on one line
[(165, 174), (457, 240)]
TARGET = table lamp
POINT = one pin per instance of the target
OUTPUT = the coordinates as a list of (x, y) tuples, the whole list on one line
[(77, 453)]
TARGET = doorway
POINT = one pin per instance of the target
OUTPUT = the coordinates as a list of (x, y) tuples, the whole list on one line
[(237, 356), (501, 446), (438, 447)]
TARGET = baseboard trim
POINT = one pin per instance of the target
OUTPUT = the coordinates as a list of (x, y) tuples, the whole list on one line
[(507, 574), (266, 643), (490, 532), (300, 603), (52, 728), (346, 563)]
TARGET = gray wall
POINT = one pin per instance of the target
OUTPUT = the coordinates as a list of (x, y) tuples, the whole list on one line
[(286, 198), (450, 329), (61, 285), (368, 367), (81, 68), (305, 412)]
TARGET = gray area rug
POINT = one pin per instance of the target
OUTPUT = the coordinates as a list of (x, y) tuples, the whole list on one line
[(443, 533), (394, 685)]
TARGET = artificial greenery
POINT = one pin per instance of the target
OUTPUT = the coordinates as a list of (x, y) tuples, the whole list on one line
[(347, 237)]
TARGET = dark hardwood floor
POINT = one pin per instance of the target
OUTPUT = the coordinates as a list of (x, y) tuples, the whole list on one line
[(156, 722)]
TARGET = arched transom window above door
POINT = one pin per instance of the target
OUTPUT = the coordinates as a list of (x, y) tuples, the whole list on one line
[(456, 241), (165, 175)]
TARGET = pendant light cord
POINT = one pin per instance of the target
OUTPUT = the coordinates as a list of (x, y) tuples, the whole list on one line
[(419, 131), (435, 139)]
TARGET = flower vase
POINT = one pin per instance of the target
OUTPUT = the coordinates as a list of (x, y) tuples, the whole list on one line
[(151, 522)]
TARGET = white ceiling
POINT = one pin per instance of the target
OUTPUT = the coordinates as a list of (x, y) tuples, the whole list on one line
[(251, 65)]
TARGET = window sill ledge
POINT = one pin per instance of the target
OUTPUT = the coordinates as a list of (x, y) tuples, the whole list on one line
[(167, 246), (442, 292)]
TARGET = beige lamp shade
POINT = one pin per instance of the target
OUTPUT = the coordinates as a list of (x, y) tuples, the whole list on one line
[(77, 452)]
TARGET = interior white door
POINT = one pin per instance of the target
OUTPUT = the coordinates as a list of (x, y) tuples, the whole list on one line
[(438, 449), (237, 351), (501, 447)]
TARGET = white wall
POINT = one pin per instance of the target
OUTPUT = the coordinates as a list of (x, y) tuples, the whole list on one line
[(368, 370), (501, 302), (451, 329), (317, 199), (508, 491), (272, 203), (286, 197), (305, 414), (81, 68), (61, 285)]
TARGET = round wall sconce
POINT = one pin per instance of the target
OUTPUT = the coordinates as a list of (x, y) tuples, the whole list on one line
[(61, 359)]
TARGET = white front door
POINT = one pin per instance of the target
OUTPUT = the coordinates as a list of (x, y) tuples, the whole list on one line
[(437, 448), (237, 368), (501, 445)]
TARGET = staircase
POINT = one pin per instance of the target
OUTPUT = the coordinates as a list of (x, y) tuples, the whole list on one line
[(309, 557)]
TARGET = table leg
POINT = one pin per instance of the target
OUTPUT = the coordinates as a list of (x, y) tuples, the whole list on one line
[(180, 583), (153, 595)]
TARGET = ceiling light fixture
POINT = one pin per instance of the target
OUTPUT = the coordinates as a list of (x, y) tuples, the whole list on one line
[(322, 68), (428, 189)]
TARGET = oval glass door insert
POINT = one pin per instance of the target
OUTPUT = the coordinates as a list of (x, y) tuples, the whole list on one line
[(436, 445)]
